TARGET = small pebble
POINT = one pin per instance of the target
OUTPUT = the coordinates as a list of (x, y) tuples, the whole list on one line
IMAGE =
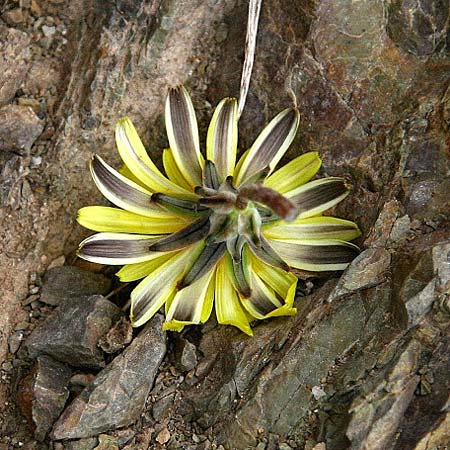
[(163, 436), (318, 392), (48, 31), (22, 326), (14, 341), (36, 161), (30, 299)]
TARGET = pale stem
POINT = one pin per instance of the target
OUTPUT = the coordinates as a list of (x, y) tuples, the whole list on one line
[(254, 9)]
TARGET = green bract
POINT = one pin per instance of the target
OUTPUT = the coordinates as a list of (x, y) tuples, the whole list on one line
[(213, 232)]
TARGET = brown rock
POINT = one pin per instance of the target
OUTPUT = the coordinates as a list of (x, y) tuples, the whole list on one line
[(14, 61), (63, 283), (72, 333), (19, 128), (43, 394), (14, 16), (117, 395)]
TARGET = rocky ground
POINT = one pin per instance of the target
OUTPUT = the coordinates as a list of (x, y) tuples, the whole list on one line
[(364, 364)]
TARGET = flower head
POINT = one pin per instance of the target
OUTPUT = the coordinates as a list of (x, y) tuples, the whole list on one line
[(213, 233)]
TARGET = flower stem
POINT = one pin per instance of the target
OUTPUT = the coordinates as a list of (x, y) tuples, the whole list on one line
[(254, 9)]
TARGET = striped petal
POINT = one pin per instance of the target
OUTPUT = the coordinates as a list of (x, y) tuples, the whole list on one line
[(133, 272), (117, 248), (160, 286), (270, 145), (269, 285), (317, 196), (318, 256), (294, 174), (221, 142), (313, 228), (104, 218), (182, 133), (189, 304), (121, 191), (173, 172), (135, 157), (206, 261), (228, 308)]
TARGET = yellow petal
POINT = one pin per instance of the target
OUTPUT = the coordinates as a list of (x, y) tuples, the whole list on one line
[(172, 170), (134, 155), (105, 218), (228, 308), (221, 143), (133, 272), (294, 174), (269, 285), (189, 303), (160, 286)]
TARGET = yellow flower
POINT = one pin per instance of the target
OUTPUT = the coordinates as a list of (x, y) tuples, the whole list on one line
[(213, 233)]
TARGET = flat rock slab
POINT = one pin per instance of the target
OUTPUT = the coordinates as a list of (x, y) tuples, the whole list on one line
[(117, 396), (72, 333), (43, 394), (62, 284)]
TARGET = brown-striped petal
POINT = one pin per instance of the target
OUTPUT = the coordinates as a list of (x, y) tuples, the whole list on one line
[(117, 248), (241, 265), (210, 176), (120, 190), (160, 286), (205, 262), (266, 253), (317, 256), (270, 145), (221, 143), (182, 132), (317, 196)]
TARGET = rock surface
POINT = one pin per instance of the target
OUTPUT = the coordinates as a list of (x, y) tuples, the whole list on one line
[(117, 395), (43, 394), (15, 59), (19, 128), (72, 333), (61, 284)]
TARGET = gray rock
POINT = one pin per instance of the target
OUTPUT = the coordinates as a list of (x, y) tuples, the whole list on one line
[(61, 284), (15, 340), (367, 270), (81, 444), (163, 406), (43, 394), (420, 304), (19, 128), (376, 416), (72, 333), (14, 60), (117, 396), (186, 353)]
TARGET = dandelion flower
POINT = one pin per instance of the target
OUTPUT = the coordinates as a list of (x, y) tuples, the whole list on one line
[(213, 233)]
